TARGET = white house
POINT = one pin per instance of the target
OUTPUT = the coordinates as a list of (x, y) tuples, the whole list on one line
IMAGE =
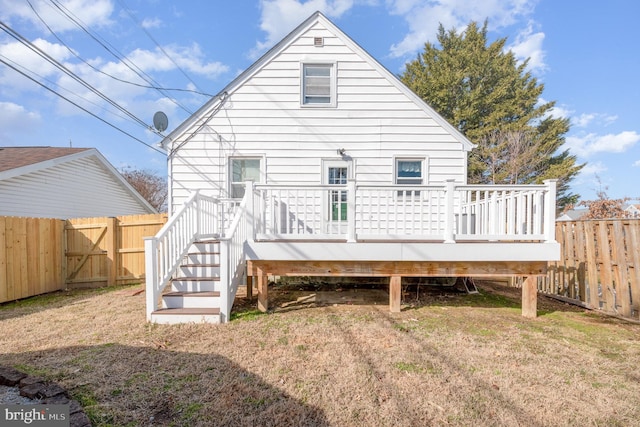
[(632, 211), (59, 182), (318, 161)]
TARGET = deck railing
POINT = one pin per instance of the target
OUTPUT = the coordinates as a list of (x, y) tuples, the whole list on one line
[(199, 217), (232, 273), (448, 212)]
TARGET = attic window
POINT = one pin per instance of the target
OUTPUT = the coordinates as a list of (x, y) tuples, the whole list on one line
[(318, 41), (318, 85)]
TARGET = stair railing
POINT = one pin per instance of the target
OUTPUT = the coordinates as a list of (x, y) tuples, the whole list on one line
[(232, 256), (199, 216)]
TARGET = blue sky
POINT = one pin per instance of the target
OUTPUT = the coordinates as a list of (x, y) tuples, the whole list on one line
[(584, 52)]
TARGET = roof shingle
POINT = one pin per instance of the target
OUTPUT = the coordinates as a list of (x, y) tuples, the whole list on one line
[(17, 157)]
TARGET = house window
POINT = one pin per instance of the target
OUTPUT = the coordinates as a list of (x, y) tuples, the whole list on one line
[(409, 172), (338, 203), (243, 169), (318, 85)]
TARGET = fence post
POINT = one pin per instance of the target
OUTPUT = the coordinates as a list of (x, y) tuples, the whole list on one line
[(151, 273), (351, 210), (448, 211), (550, 211), (111, 246)]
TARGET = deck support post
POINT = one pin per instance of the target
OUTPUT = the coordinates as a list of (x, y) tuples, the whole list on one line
[(530, 297), (263, 297), (249, 288), (395, 293)]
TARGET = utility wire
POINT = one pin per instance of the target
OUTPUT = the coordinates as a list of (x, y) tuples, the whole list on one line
[(80, 107), (113, 51), (134, 19), (68, 72), (61, 88), (96, 69)]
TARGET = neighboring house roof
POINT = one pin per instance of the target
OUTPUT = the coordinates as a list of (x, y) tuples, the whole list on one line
[(633, 210), (17, 157), (213, 103), (572, 215), (61, 183)]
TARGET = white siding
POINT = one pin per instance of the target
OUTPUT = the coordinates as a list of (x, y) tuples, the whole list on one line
[(373, 121), (77, 188)]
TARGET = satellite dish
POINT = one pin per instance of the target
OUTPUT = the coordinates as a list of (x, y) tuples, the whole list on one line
[(160, 121)]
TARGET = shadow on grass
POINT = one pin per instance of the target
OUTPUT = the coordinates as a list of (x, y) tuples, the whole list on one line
[(124, 385), (57, 299)]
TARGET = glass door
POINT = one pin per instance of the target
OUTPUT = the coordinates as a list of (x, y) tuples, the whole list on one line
[(337, 175)]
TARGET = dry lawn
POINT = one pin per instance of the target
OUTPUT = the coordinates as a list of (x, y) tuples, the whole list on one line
[(447, 359)]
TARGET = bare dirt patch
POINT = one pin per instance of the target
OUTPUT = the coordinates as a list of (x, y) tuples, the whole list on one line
[(447, 359)]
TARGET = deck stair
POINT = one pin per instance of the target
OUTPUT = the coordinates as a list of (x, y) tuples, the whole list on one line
[(194, 292)]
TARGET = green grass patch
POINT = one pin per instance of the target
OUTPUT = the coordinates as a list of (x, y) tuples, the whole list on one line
[(408, 367), (250, 314)]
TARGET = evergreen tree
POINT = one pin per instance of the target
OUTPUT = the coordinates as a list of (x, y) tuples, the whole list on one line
[(495, 102)]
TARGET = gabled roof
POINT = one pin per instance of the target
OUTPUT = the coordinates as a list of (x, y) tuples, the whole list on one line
[(16, 161), (317, 17), (17, 157)]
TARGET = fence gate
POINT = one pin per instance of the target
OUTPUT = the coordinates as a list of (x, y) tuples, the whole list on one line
[(106, 251)]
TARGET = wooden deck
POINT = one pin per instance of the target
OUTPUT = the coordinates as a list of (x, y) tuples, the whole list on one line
[(258, 271), (373, 231)]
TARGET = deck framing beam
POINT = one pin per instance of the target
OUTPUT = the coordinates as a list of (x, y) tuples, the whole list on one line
[(395, 270)]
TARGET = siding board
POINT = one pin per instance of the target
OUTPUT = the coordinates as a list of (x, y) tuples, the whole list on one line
[(374, 121)]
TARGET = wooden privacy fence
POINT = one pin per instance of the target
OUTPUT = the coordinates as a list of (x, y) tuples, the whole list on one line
[(39, 255), (31, 257), (599, 265)]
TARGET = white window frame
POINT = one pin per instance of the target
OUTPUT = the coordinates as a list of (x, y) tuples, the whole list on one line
[(333, 102), (333, 163), (423, 171), (231, 182), (423, 168)]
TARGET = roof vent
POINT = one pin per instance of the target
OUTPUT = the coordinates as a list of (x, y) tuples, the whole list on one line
[(318, 41)]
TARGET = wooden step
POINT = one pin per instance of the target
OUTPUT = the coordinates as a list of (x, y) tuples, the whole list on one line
[(186, 315), (192, 294)]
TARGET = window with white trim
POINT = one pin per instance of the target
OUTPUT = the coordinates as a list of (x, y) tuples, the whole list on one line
[(409, 172), (242, 169), (318, 85)]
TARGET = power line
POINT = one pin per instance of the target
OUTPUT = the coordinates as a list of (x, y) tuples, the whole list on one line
[(96, 69), (80, 107), (68, 72), (113, 51), (52, 83), (133, 18)]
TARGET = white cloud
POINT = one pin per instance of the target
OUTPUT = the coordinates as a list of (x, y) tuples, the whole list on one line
[(189, 58), (559, 112), (585, 119), (279, 17), (636, 164), (151, 23), (424, 17), (528, 45), (91, 13), (16, 118), (589, 144), (26, 59), (593, 168)]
